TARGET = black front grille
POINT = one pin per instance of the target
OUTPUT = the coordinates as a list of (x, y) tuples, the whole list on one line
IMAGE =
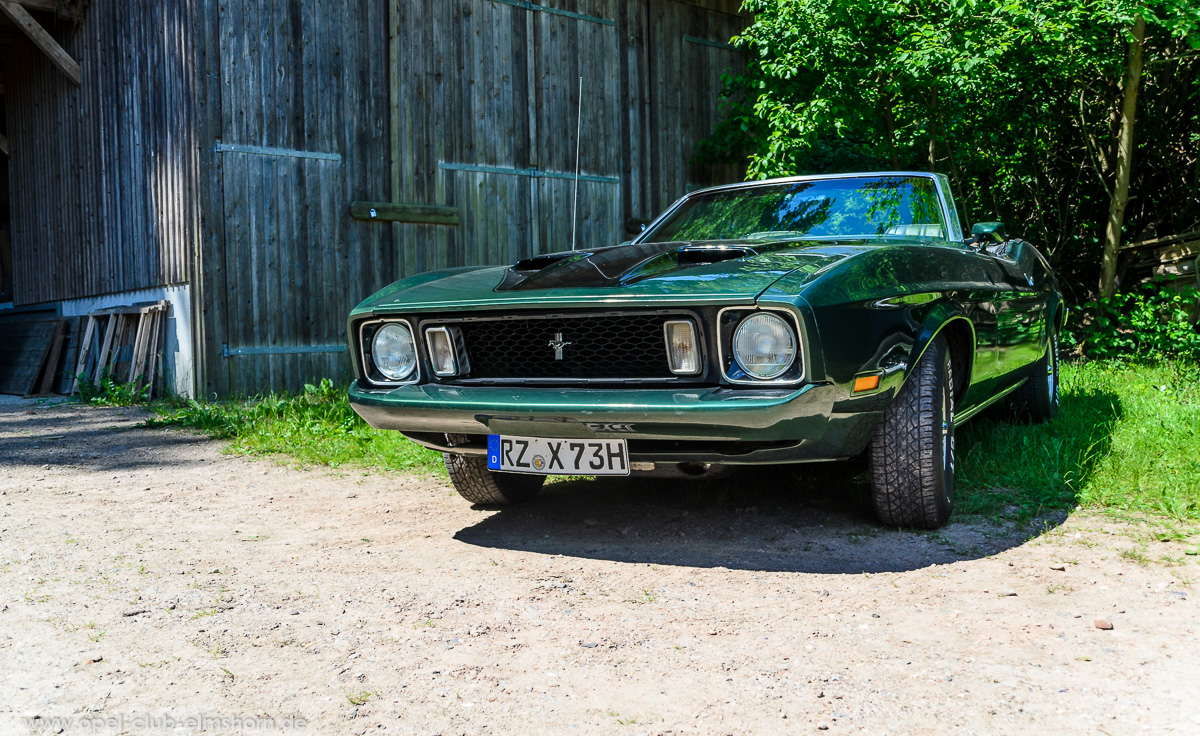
[(601, 347)]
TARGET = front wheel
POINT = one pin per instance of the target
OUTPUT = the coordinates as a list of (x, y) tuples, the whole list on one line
[(912, 451), (477, 484)]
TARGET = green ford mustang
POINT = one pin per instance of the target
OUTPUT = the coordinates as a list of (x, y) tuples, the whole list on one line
[(786, 321)]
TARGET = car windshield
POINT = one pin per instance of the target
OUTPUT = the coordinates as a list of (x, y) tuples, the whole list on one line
[(855, 207)]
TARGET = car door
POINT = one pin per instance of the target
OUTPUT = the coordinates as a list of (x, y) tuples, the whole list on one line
[(1021, 306)]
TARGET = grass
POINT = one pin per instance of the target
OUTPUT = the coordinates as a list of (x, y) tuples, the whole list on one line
[(317, 427), (1125, 439)]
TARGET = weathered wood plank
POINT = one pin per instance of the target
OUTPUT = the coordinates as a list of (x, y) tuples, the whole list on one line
[(104, 356), (1157, 242), (85, 349), (400, 212), (43, 40), (50, 369)]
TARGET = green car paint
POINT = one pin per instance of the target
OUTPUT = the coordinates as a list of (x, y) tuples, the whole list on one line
[(864, 306)]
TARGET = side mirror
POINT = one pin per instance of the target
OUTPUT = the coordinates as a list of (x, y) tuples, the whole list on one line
[(988, 232)]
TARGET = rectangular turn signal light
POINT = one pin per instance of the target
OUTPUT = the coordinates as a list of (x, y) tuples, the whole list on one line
[(866, 383)]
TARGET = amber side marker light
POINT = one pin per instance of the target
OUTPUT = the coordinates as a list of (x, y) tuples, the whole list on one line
[(866, 383)]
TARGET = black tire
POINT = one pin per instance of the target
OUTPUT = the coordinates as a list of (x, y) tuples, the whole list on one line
[(1037, 400), (912, 451), (477, 484)]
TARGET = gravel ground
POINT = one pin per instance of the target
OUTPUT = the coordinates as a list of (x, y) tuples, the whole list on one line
[(146, 574)]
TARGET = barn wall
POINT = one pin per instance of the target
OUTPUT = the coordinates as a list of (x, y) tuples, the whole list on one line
[(294, 129), (104, 176), (471, 104)]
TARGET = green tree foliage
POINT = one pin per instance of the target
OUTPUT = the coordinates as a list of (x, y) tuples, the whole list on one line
[(1017, 100)]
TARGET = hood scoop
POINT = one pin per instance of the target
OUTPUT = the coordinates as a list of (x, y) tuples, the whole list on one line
[(537, 263), (701, 255)]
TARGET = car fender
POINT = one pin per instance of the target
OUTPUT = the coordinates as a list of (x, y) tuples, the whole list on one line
[(901, 328), (944, 316)]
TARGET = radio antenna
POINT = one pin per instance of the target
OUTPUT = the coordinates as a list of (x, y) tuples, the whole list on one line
[(578, 134)]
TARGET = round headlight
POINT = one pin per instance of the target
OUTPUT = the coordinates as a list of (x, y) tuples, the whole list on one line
[(764, 345), (394, 351)]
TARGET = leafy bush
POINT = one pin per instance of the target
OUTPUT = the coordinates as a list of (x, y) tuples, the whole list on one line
[(1150, 322)]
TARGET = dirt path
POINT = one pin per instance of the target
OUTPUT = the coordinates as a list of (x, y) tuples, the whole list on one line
[(145, 573)]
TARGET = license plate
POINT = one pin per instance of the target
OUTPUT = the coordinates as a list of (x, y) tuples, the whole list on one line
[(557, 457)]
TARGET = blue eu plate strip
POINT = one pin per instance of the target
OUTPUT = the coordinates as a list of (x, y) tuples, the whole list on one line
[(493, 452)]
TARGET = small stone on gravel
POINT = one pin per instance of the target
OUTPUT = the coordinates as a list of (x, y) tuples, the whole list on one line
[(1103, 623), (1007, 593)]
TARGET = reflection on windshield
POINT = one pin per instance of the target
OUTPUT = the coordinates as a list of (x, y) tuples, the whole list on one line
[(852, 207)]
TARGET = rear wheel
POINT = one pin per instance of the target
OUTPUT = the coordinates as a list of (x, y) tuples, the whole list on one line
[(912, 451), (1037, 400), (477, 484)]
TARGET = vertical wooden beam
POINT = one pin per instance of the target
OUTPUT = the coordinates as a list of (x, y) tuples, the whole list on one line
[(42, 40)]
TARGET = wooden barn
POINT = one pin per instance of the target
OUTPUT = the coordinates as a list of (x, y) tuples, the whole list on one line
[(260, 166)]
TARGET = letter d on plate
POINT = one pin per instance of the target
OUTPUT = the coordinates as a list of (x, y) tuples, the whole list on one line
[(494, 451)]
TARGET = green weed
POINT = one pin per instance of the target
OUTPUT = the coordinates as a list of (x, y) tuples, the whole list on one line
[(317, 427), (358, 698), (646, 596), (107, 392), (1136, 556)]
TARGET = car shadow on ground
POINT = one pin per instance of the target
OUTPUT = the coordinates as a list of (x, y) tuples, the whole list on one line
[(790, 519), (817, 517)]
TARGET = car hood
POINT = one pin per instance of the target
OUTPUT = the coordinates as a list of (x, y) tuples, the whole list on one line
[(635, 275)]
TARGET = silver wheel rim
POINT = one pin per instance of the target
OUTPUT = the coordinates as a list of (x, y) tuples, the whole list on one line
[(1052, 370), (947, 446)]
